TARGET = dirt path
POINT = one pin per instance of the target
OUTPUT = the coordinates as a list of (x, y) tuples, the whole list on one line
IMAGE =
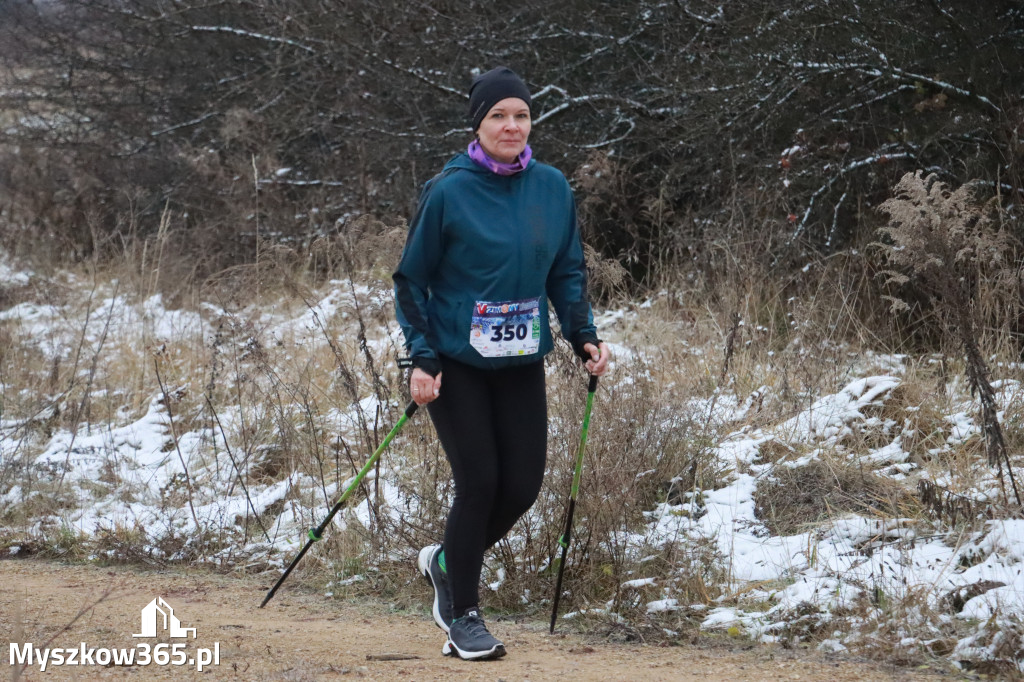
[(298, 637)]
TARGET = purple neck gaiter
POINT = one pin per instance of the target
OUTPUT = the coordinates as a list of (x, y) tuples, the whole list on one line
[(477, 153)]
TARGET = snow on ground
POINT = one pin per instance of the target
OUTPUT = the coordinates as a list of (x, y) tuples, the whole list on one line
[(135, 473), (833, 567), (10, 275), (109, 319), (132, 474)]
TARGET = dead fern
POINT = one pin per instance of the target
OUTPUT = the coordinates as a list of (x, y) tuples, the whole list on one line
[(945, 244)]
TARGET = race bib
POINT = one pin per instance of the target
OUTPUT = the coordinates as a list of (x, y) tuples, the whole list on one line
[(504, 328)]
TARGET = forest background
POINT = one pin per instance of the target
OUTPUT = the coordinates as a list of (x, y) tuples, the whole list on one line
[(772, 129)]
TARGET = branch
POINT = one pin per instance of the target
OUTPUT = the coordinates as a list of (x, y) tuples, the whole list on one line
[(252, 34), (753, 107), (965, 35), (623, 136), (186, 124), (304, 183), (889, 71), (942, 85), (857, 105), (619, 42), (849, 168), (416, 74), (571, 101), (835, 220), (713, 20), (769, 27), (996, 186)]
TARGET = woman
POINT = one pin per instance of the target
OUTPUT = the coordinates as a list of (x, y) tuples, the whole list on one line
[(493, 239)]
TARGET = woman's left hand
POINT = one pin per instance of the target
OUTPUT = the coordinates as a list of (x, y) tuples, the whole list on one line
[(600, 355)]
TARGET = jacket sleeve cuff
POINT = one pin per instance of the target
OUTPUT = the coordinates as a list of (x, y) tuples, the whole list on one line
[(431, 366), (581, 339)]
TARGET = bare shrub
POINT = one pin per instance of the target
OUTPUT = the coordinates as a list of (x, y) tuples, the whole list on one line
[(119, 543)]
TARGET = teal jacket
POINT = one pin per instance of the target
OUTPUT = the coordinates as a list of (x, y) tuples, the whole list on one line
[(479, 236)]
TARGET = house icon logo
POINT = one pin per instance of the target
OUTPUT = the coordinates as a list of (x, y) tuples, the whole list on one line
[(158, 616)]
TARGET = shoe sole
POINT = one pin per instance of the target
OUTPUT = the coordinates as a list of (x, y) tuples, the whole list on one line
[(423, 564), (451, 650)]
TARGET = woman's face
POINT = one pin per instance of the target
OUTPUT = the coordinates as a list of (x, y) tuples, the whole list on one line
[(504, 130)]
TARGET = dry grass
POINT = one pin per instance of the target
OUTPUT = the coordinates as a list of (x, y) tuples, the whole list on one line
[(794, 500)]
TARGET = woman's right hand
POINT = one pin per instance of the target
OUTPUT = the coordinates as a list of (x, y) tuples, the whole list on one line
[(423, 387)]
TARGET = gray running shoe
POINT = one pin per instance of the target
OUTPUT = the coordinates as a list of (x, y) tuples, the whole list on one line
[(469, 639), (438, 579)]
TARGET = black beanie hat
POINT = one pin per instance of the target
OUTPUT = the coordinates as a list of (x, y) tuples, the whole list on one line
[(490, 88)]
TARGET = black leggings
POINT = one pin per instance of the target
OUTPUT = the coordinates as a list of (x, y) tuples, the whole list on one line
[(493, 427)]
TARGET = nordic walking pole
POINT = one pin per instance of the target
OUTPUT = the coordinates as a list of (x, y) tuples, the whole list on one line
[(567, 533), (316, 534)]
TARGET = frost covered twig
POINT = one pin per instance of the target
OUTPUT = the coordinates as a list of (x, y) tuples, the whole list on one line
[(301, 183), (238, 471), (571, 101), (252, 34), (185, 124), (418, 75), (84, 403), (174, 437), (712, 20), (859, 163), (889, 71)]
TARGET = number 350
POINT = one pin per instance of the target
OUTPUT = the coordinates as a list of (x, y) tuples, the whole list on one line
[(507, 332)]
